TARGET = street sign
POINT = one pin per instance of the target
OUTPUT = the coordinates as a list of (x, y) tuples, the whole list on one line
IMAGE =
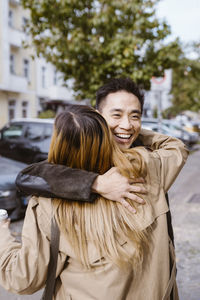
[(162, 83)]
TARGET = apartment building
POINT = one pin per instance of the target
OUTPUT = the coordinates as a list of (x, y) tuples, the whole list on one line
[(27, 86)]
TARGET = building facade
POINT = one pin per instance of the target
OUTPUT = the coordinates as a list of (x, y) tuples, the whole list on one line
[(27, 86)]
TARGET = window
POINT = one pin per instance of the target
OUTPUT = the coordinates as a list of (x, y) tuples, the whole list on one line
[(43, 77), (34, 132), (12, 132), (24, 23), (48, 130), (55, 77), (24, 109), (10, 18), (12, 64), (11, 109), (26, 69)]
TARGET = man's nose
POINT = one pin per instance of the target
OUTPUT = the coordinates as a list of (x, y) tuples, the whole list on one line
[(125, 123)]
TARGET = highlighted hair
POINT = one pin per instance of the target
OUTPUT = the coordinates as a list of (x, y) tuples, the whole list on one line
[(81, 139)]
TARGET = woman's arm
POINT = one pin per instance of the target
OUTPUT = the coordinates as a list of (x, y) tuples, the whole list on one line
[(23, 266)]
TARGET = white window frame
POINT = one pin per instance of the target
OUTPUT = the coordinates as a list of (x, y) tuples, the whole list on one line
[(26, 69), (12, 105), (43, 72), (25, 107), (10, 18), (12, 63)]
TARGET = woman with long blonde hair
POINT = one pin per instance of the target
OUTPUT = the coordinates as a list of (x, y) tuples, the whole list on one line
[(105, 251), (86, 143)]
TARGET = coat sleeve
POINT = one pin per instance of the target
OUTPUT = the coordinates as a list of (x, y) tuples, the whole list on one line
[(171, 152), (23, 266), (50, 180)]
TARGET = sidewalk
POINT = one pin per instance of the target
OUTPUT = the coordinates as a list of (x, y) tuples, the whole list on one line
[(185, 206)]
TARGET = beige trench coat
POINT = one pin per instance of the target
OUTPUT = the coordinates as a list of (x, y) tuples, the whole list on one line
[(23, 267)]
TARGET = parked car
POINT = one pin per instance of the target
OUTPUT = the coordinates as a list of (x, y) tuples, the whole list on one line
[(189, 138), (192, 126), (10, 199), (171, 128), (26, 140)]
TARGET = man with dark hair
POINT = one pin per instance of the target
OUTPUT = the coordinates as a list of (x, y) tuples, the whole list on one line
[(120, 102), (115, 85)]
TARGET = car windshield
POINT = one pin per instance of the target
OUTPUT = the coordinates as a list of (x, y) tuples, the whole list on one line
[(13, 132), (34, 132)]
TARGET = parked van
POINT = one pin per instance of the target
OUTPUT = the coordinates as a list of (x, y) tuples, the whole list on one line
[(26, 140)]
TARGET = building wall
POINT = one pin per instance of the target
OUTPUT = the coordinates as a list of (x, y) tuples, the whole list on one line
[(4, 109), (22, 89), (17, 93)]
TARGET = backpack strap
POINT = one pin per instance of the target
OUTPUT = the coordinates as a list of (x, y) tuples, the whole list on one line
[(169, 221), (171, 292), (51, 275)]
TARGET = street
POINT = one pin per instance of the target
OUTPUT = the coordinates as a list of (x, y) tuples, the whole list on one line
[(185, 205), (184, 198)]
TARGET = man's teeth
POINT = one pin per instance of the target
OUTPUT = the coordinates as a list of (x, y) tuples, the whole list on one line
[(124, 136)]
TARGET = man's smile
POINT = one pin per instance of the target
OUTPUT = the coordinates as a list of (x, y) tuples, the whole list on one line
[(123, 136), (122, 111)]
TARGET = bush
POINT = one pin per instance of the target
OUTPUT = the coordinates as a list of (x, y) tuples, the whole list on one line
[(47, 114)]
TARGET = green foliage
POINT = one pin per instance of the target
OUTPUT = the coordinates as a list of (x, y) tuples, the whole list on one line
[(94, 40), (155, 112), (170, 112), (186, 83), (47, 114)]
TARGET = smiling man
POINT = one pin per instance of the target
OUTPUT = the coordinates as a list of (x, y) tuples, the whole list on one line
[(122, 112), (120, 102)]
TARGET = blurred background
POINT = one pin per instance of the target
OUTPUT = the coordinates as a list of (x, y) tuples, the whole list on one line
[(56, 52)]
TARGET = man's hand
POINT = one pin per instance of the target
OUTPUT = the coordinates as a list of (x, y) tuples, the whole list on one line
[(113, 186)]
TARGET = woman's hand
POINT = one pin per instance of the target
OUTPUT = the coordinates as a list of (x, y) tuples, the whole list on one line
[(5, 223)]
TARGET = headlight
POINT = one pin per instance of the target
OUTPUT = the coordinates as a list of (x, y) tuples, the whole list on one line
[(4, 193)]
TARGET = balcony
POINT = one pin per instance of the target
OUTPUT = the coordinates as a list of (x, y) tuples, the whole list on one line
[(16, 37), (60, 93), (17, 84), (14, 2)]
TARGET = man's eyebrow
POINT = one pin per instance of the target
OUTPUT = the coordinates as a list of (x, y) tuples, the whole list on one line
[(134, 111), (116, 109)]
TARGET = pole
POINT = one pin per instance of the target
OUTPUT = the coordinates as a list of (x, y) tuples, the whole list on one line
[(159, 106)]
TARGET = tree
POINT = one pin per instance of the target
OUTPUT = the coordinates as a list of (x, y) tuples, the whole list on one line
[(186, 78), (94, 40)]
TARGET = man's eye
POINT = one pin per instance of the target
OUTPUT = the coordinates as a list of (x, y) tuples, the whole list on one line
[(116, 115), (135, 117)]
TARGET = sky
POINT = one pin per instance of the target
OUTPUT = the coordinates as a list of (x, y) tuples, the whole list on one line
[(183, 16)]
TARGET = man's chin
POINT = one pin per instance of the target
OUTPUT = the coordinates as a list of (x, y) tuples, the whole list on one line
[(124, 146)]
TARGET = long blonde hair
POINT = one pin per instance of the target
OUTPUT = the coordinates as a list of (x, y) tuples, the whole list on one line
[(81, 139)]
